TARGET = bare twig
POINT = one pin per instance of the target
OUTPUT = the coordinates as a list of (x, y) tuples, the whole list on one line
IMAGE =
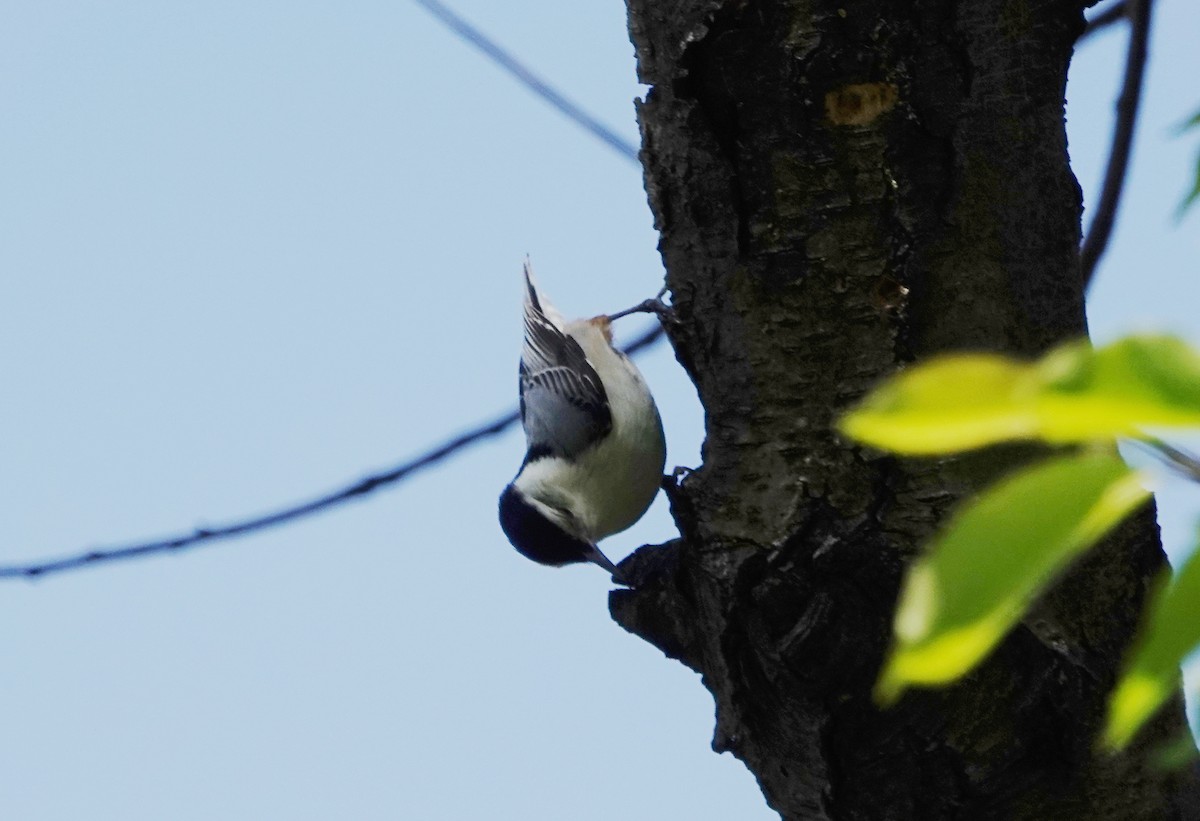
[(357, 490), (537, 85), (1185, 464), (1113, 14), (1098, 233)]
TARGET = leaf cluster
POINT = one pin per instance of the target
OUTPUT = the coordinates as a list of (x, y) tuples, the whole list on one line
[(1001, 549)]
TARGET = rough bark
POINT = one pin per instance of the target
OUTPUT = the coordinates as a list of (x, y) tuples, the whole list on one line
[(842, 189)]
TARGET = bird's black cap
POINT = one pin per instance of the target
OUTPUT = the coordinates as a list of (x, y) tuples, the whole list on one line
[(536, 537)]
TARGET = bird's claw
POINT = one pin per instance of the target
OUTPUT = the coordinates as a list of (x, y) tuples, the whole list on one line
[(656, 306)]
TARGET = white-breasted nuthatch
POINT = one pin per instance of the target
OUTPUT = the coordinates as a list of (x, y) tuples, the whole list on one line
[(594, 441)]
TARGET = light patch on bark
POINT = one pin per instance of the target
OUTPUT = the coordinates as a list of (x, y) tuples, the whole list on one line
[(860, 103)]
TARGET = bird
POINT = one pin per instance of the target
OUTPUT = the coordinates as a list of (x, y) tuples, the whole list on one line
[(595, 448)]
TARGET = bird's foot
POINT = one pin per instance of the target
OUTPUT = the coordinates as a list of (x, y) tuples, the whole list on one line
[(656, 306)]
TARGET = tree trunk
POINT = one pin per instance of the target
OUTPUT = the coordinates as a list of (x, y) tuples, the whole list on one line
[(842, 189)]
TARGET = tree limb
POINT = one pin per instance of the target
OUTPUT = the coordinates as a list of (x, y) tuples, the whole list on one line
[(1113, 14), (1096, 241)]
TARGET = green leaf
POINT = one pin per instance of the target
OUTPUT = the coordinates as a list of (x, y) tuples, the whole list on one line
[(997, 554), (1073, 394), (951, 403), (1171, 632)]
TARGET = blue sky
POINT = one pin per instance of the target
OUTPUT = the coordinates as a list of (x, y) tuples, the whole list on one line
[(254, 251)]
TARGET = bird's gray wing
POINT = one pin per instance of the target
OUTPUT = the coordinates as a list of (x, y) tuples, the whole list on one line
[(564, 408)]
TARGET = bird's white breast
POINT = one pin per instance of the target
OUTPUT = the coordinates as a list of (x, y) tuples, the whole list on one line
[(609, 486)]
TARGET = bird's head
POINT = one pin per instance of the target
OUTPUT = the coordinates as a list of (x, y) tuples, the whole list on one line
[(546, 533)]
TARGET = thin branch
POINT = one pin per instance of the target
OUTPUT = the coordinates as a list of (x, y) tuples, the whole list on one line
[(537, 85), (206, 535), (1185, 464), (1098, 233), (1113, 14)]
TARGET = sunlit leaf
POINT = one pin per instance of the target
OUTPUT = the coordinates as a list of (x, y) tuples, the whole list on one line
[(1073, 394), (1170, 633), (1118, 390), (995, 556), (951, 403)]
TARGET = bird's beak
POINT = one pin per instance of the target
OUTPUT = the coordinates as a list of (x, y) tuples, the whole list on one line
[(596, 557)]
